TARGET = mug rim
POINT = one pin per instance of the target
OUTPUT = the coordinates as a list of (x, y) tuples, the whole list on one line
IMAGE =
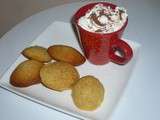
[(94, 3)]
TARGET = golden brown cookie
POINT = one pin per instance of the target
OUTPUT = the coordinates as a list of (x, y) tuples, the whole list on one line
[(26, 73), (88, 93), (59, 75), (37, 53), (66, 54)]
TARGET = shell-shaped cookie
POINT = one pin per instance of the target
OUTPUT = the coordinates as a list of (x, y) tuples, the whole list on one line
[(37, 53), (66, 54), (26, 73)]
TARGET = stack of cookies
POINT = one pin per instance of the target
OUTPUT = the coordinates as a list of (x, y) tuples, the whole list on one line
[(55, 68)]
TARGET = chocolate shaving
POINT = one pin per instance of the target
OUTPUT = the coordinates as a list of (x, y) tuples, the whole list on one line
[(95, 19), (120, 14), (99, 30), (108, 16)]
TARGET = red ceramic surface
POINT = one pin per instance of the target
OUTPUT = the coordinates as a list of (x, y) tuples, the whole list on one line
[(100, 48)]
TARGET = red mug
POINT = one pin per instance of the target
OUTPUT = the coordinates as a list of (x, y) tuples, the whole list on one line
[(100, 48)]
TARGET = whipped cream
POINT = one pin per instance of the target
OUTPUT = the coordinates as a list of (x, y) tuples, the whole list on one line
[(103, 19)]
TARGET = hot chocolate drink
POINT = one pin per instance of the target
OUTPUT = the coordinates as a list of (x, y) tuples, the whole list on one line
[(100, 27), (103, 19)]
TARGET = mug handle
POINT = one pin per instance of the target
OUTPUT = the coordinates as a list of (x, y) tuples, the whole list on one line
[(124, 49)]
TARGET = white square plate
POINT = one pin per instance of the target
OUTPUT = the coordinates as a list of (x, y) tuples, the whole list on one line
[(113, 77)]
